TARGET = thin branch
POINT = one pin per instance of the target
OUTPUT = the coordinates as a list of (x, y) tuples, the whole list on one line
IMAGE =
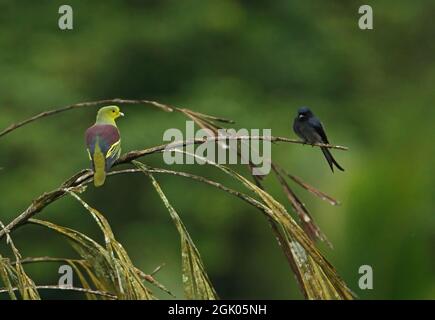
[(150, 279), (156, 104), (44, 114), (83, 290), (48, 259), (132, 155), (204, 116), (157, 269)]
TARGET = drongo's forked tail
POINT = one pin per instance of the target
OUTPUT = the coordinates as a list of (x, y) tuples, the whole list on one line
[(331, 160)]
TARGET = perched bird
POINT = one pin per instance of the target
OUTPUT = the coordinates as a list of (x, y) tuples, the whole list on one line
[(104, 142), (310, 129)]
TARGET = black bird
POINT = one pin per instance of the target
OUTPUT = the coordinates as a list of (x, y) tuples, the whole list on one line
[(310, 129)]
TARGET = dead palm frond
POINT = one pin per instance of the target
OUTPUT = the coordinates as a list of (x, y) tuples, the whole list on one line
[(106, 271)]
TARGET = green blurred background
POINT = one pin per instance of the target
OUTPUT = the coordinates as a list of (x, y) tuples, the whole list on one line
[(252, 61)]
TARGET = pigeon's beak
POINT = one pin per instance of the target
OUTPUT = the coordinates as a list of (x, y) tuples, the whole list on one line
[(121, 114)]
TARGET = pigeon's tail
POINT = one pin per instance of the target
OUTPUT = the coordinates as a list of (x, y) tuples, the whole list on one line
[(331, 160)]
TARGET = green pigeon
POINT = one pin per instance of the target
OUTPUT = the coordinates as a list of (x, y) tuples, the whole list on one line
[(103, 142)]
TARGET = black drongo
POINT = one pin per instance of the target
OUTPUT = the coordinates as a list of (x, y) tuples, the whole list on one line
[(310, 129)]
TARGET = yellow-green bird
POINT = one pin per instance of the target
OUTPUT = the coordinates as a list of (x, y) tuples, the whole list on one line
[(104, 142)]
